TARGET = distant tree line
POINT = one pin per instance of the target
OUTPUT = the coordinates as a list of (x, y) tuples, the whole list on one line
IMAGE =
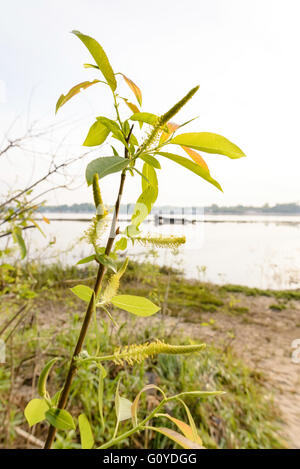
[(278, 209)]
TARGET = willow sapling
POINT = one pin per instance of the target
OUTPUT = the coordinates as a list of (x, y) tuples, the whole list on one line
[(148, 152)]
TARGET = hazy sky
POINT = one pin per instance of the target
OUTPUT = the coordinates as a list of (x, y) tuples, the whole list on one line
[(244, 54)]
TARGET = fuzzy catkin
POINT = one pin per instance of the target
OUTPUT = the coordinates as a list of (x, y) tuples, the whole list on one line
[(162, 120), (138, 353)]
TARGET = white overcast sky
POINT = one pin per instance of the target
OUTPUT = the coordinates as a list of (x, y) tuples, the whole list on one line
[(243, 53)]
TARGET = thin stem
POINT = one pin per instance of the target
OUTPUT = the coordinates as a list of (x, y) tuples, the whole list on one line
[(89, 312), (139, 427)]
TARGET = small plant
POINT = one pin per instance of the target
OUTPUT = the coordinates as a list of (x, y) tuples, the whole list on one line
[(136, 149)]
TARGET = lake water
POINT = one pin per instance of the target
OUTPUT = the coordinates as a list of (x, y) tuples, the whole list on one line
[(258, 251)]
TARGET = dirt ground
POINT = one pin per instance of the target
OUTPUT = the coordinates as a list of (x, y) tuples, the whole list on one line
[(263, 339)]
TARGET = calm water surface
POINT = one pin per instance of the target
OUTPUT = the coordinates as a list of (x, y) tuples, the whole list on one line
[(256, 251)]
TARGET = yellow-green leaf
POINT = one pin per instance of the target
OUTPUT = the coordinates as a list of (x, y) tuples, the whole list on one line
[(35, 411), (137, 305), (83, 292), (44, 376), (210, 143), (86, 435), (73, 91), (97, 134), (195, 168), (100, 58)]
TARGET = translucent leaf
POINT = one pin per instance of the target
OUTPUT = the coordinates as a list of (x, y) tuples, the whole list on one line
[(113, 127), (35, 411), (85, 260), (121, 244), (97, 134), (86, 435), (83, 292), (44, 376), (73, 91), (100, 58), (196, 157), (177, 437), (171, 126), (195, 168), (104, 166), (210, 143), (60, 419), (184, 428), (137, 305), (150, 160), (137, 92)]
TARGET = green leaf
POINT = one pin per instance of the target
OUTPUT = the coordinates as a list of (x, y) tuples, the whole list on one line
[(210, 143), (150, 160), (97, 134), (44, 376), (100, 58), (113, 127), (104, 166), (149, 178), (83, 292), (86, 435), (85, 260), (18, 238), (60, 418), (107, 261), (195, 168), (202, 394), (121, 244), (35, 411), (102, 376), (137, 305), (73, 91)]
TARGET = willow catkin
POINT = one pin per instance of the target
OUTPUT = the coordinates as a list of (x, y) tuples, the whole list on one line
[(138, 353), (162, 120)]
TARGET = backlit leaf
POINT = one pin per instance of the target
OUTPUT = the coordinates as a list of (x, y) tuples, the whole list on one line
[(195, 168), (196, 157), (150, 160), (210, 143), (83, 292), (73, 91), (137, 305), (97, 134), (86, 435), (35, 411), (100, 58)]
